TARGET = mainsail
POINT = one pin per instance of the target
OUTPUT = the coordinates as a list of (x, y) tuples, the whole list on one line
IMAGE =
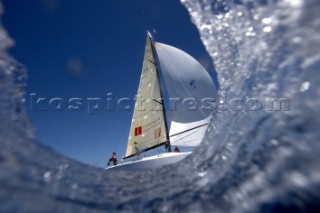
[(148, 127), (188, 84)]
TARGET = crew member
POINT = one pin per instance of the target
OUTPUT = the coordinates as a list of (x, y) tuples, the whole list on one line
[(176, 149), (113, 159)]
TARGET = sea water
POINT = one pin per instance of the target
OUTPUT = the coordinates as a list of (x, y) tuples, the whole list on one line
[(252, 159)]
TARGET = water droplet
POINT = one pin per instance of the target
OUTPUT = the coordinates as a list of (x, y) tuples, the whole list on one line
[(294, 3), (250, 34), (230, 145), (298, 179), (219, 16), (202, 174), (47, 176), (274, 142), (296, 39), (266, 20), (74, 186), (267, 29), (304, 86), (223, 157)]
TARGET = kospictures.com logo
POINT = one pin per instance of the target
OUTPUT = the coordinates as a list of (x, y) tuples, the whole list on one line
[(92, 105)]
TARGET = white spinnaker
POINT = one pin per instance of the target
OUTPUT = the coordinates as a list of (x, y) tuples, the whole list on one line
[(187, 83)]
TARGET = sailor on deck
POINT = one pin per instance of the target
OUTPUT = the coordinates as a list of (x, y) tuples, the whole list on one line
[(113, 159)]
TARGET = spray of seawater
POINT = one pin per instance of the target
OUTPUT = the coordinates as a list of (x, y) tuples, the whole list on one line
[(260, 160)]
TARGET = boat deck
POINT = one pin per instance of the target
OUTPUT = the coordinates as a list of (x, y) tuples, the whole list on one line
[(151, 162)]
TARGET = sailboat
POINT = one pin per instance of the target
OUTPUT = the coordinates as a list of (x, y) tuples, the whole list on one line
[(190, 92)]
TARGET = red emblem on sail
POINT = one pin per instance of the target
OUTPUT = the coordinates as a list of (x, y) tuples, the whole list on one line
[(138, 131)]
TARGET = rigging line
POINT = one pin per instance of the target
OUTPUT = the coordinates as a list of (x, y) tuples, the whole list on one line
[(120, 137), (189, 129), (152, 62), (191, 133), (145, 150), (184, 138), (157, 101)]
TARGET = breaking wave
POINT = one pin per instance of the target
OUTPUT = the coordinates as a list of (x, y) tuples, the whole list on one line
[(249, 161)]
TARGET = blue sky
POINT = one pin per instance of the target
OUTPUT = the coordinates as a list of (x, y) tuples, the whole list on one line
[(86, 49)]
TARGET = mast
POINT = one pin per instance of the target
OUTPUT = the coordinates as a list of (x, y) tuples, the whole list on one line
[(167, 144)]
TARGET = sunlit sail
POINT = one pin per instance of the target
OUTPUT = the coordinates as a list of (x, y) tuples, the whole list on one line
[(185, 80)]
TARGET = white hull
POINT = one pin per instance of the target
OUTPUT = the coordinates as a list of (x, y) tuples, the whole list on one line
[(151, 162)]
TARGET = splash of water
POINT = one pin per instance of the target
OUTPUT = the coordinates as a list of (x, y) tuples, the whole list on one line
[(12, 85), (265, 49)]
